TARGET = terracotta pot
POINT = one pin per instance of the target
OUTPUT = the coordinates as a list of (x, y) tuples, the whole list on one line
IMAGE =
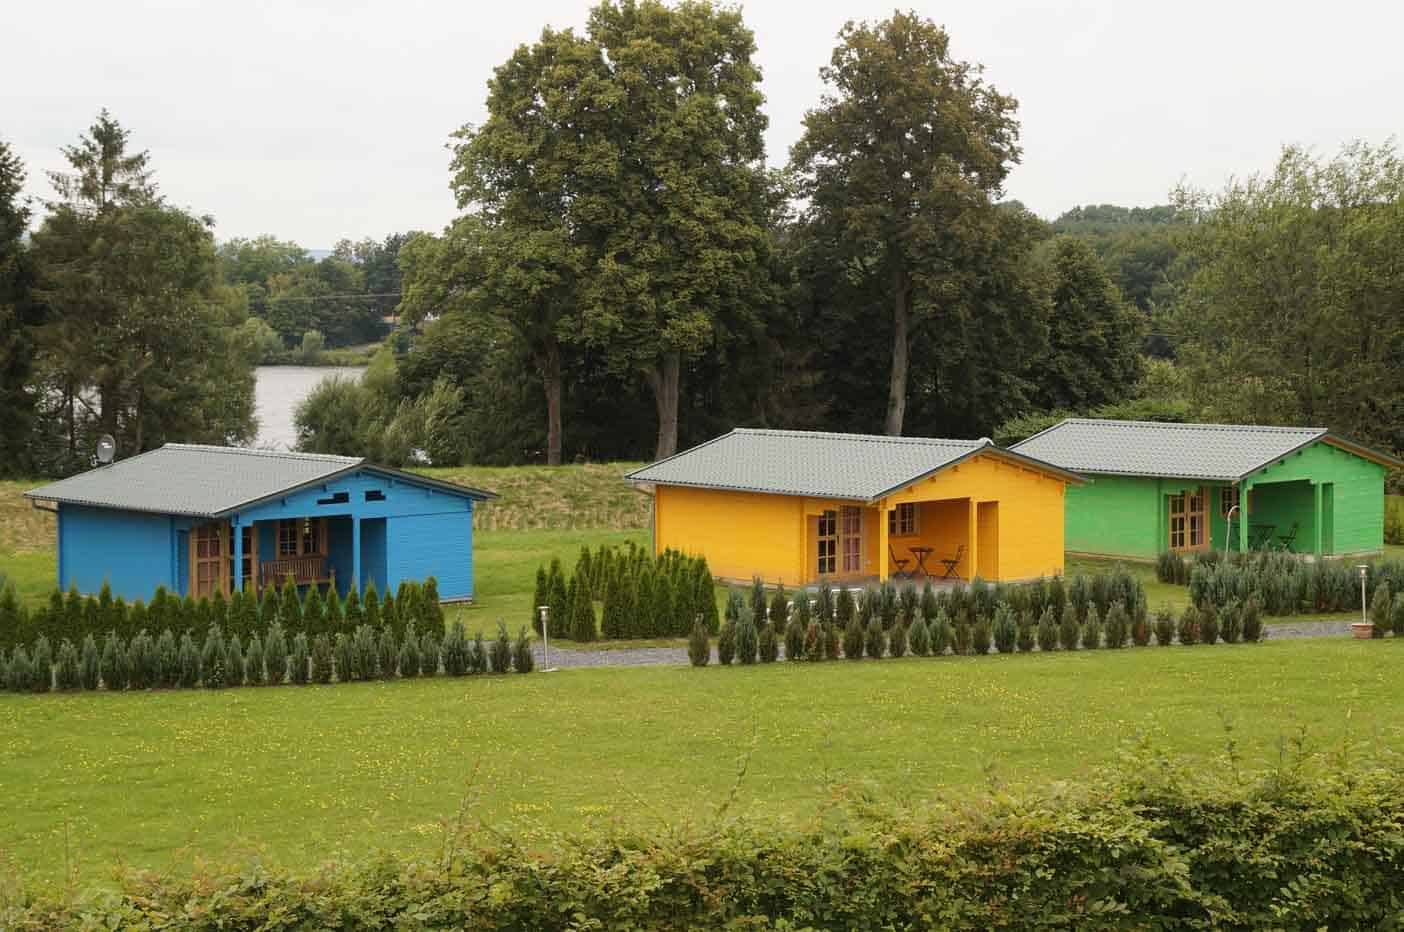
[(1364, 630)]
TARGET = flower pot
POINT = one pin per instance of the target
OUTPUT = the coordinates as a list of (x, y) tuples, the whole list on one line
[(1364, 630)]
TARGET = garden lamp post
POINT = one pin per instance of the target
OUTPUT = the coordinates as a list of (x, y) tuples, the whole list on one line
[(1364, 569), (545, 611)]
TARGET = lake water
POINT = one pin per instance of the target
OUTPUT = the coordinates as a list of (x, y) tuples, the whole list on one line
[(276, 394)]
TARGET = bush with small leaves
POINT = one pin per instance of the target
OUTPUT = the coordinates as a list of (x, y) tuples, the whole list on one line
[(67, 674), (980, 636), (477, 655), (853, 635), (897, 638), (428, 653), (275, 653), (387, 654), (366, 663), (814, 641), (942, 633), (353, 613), (344, 656), (1027, 632), (831, 640), (769, 645), (212, 658), (1188, 628), (1231, 622), (254, 671), (1069, 631), (726, 642), (314, 615), (188, 662), (234, 662), (501, 653), (1252, 616), (747, 637), (167, 660), (323, 658), (1380, 605), (298, 659), (522, 660), (456, 651), (19, 670), (1164, 628), (113, 665), (874, 637), (390, 615), (844, 606), (1117, 626), (1004, 629), (699, 646), (794, 635), (141, 662), (1047, 634), (89, 663), (42, 665), (1091, 636), (1208, 624), (370, 607), (779, 615), (919, 638), (1396, 615), (962, 634)]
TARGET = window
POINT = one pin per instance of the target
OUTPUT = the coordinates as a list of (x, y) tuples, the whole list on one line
[(828, 543), (852, 533), (375, 495), (299, 537), (208, 567), (287, 538), (1228, 500), (336, 498), (902, 520)]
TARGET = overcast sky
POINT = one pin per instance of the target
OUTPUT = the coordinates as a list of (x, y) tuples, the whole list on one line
[(317, 120)]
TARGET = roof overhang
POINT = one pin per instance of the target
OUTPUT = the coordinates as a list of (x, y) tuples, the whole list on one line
[(989, 449)]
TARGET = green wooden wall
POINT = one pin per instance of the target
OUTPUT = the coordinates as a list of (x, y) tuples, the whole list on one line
[(1358, 495)]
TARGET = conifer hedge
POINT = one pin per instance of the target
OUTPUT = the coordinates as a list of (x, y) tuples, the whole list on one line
[(640, 596)]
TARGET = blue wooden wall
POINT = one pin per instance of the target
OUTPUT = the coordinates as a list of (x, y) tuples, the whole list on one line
[(132, 551)]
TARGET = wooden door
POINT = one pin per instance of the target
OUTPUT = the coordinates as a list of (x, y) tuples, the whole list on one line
[(851, 539), (1189, 521), (209, 559)]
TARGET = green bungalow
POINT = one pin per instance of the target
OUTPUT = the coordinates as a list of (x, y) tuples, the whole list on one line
[(1188, 487)]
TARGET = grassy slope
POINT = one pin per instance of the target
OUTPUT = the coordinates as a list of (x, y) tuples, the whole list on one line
[(311, 770)]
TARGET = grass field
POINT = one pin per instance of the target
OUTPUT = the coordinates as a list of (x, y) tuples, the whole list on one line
[(306, 772)]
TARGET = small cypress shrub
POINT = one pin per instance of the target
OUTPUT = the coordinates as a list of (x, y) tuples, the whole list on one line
[(1027, 633), (234, 661), (42, 666), (390, 615), (267, 608), (1091, 637), (212, 657), (794, 634), (942, 634), (1231, 622), (919, 638), (844, 608), (557, 597), (113, 665), (167, 660), (501, 654), (814, 641), (353, 613), (370, 607), (387, 653), (314, 615), (299, 659), (1164, 628), (1004, 629), (769, 645), (1047, 629), (897, 639), (431, 609), (254, 670), (344, 657), (522, 660), (832, 641), (334, 616), (290, 608), (275, 654), (19, 671), (962, 634), (538, 599), (1188, 629), (853, 633), (699, 645), (1118, 625), (456, 661), (365, 662), (1208, 624), (1141, 629), (1380, 605), (726, 642), (429, 654), (67, 675), (323, 662), (980, 636), (747, 638), (1253, 619), (89, 663), (409, 655), (188, 662), (780, 608), (477, 655), (758, 601), (141, 662), (874, 638)]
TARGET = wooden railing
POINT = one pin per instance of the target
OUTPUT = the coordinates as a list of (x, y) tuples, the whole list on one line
[(304, 571)]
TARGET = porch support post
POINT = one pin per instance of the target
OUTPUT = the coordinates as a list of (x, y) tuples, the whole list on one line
[(883, 542), (1316, 518), (356, 553), (237, 584), (1242, 517), (973, 551)]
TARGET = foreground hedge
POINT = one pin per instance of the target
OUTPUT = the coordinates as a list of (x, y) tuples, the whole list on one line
[(1287, 850)]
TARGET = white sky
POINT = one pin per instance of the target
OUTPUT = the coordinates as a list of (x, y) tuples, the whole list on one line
[(316, 120)]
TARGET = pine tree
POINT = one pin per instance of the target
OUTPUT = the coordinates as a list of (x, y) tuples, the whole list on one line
[(354, 614), (522, 660), (370, 605), (920, 637), (1004, 629), (390, 619), (853, 635), (542, 593), (275, 654), (897, 639), (1091, 637), (726, 642), (1047, 629), (234, 661), (456, 651), (768, 644), (706, 597), (66, 671), (582, 623), (980, 636), (212, 656), (409, 655), (322, 662), (1027, 635), (113, 664), (268, 608), (501, 655), (388, 652), (314, 616), (106, 617), (299, 659), (557, 598), (874, 638), (290, 609), (89, 663)]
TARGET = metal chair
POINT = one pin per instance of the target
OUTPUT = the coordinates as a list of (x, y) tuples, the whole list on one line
[(899, 563), (1289, 539), (950, 563)]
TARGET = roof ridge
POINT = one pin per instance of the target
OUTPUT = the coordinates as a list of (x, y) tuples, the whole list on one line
[(253, 451), (1191, 425), (841, 435)]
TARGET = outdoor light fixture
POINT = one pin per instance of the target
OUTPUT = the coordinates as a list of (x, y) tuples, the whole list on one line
[(546, 667), (1364, 569)]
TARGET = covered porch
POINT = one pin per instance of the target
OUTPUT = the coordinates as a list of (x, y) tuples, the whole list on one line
[(1295, 516), (941, 540), (309, 551)]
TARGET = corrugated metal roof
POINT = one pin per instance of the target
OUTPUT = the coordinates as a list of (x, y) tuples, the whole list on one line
[(208, 481), (822, 465), (1224, 452)]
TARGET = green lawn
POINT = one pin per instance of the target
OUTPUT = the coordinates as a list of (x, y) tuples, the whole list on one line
[(306, 772)]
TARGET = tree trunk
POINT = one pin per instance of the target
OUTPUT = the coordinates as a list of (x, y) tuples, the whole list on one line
[(664, 379), (897, 384), (551, 378)]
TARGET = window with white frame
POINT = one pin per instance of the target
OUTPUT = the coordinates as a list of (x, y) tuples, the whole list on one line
[(902, 520)]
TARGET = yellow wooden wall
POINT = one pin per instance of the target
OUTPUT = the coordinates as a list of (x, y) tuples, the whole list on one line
[(741, 534)]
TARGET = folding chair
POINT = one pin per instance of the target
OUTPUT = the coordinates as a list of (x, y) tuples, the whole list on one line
[(950, 563), (899, 563)]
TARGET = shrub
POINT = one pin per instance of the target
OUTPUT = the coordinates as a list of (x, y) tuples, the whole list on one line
[(456, 651), (1231, 623), (1078, 597), (852, 635), (1170, 567), (582, 621), (141, 661), (113, 665), (1141, 629), (501, 656), (323, 658), (844, 607), (1004, 629), (769, 644), (344, 656), (980, 636), (387, 651), (794, 632), (314, 615), (1047, 630), (297, 662), (726, 642), (1026, 636), (275, 654), (334, 619), (522, 660), (874, 638), (1380, 605), (42, 666), (780, 608), (67, 675), (897, 638), (747, 638), (962, 635), (408, 661), (1396, 615), (539, 597), (831, 641), (1069, 630), (1117, 626), (1164, 628), (89, 663), (167, 660), (1188, 630), (370, 607), (390, 615), (1208, 624), (19, 671), (699, 645), (233, 662), (353, 614), (429, 654), (919, 638), (941, 633), (212, 658), (289, 608), (477, 655), (188, 661), (1091, 636), (366, 660)]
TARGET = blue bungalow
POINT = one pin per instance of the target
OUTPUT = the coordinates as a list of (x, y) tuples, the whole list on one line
[(201, 519)]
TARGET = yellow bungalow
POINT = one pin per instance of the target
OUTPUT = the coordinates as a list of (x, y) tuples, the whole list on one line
[(799, 507)]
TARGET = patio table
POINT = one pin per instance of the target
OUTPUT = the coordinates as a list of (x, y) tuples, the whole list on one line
[(920, 554), (1259, 535)]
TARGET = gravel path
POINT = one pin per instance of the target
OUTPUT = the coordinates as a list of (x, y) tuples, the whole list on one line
[(564, 657)]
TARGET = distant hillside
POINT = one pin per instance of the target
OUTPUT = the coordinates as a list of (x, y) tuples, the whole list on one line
[(554, 497)]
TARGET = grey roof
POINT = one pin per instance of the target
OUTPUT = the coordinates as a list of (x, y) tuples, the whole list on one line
[(822, 465), (210, 481), (1223, 452)]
